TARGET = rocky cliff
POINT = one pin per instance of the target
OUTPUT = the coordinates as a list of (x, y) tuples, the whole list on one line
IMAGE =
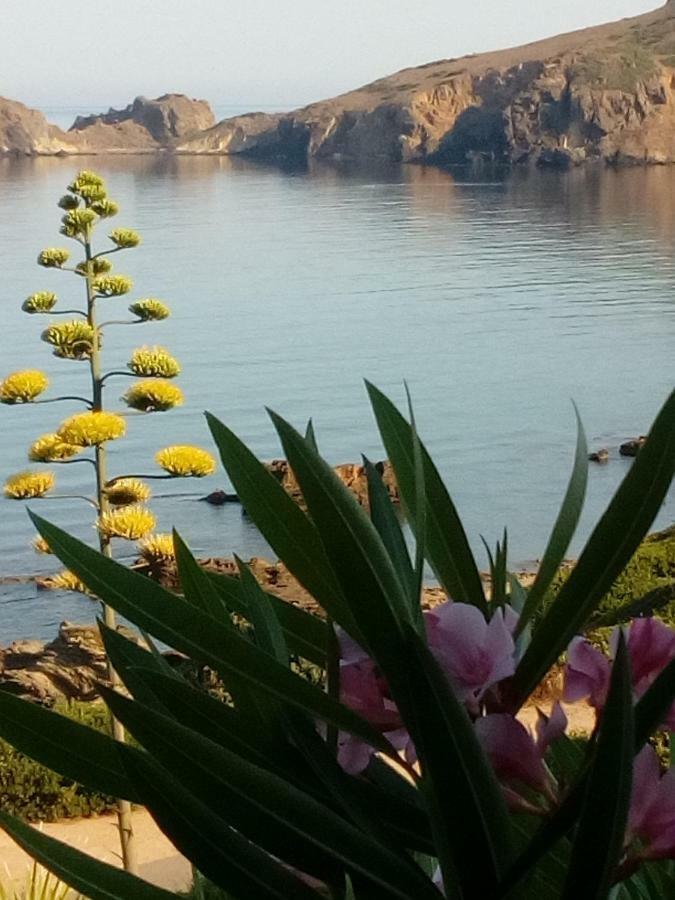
[(601, 93)]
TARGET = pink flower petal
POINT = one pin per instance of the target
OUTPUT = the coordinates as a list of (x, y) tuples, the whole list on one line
[(586, 674), (511, 750), (550, 728)]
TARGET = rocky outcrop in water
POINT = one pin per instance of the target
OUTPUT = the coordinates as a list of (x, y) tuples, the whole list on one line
[(26, 131)]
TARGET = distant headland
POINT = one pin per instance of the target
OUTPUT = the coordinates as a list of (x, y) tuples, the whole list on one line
[(603, 93)]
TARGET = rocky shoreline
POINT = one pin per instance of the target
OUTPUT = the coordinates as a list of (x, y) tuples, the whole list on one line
[(600, 94)]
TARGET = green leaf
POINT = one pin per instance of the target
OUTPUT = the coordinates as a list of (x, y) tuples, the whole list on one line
[(310, 436), (306, 634), (65, 746), (598, 843), (282, 523), (267, 809), (376, 599), (466, 807), (127, 657), (185, 627), (563, 530), (196, 585), (384, 519), (227, 858), (447, 546), (607, 552), (269, 635), (96, 880)]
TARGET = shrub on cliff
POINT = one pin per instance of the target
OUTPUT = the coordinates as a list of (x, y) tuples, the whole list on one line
[(410, 775)]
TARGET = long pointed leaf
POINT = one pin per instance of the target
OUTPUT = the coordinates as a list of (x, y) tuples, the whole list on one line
[(447, 546), (563, 530)]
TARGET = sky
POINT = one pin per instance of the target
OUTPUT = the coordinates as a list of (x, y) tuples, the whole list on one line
[(255, 54)]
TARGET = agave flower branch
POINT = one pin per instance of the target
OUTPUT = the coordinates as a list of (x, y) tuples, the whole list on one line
[(119, 501)]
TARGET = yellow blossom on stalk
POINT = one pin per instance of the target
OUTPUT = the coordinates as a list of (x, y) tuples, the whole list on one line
[(84, 180), (71, 340), (153, 362), (105, 208), (127, 491), (40, 302), (66, 581), (91, 428), (77, 222), (131, 523), (186, 461), (157, 549), (125, 238), (150, 310), (40, 545), (153, 395), (98, 266), (112, 285), (28, 485), (53, 257), (23, 387), (50, 448)]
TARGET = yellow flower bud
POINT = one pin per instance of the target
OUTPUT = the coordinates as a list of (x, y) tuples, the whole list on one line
[(98, 266), (105, 208), (78, 222), (53, 257), (127, 491), (157, 549), (150, 310), (50, 448), (40, 302), (153, 395), (23, 387), (91, 428), (112, 285), (85, 179), (131, 523), (28, 485), (66, 581), (125, 238), (186, 462), (71, 340), (153, 362)]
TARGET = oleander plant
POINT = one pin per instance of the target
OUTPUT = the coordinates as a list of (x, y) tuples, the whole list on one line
[(119, 501), (409, 773)]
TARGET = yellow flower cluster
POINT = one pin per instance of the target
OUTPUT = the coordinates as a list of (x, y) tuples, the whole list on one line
[(127, 491), (77, 223), (23, 387), (157, 549), (186, 461), (153, 395), (50, 448), (40, 545), (131, 523), (85, 180), (153, 362), (71, 340), (53, 257), (125, 238), (91, 428), (150, 310), (105, 208), (98, 266), (28, 485), (112, 285), (40, 302), (66, 581)]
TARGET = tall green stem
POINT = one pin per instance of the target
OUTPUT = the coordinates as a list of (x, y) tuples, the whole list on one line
[(129, 856)]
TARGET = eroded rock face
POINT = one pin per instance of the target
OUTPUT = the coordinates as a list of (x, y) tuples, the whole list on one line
[(25, 131)]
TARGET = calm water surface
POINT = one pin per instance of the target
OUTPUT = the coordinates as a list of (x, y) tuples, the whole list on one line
[(499, 299)]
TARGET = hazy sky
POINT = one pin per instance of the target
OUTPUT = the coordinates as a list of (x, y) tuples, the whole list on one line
[(255, 53)]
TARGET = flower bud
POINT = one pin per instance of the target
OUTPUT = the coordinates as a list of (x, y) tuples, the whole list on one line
[(186, 462), (77, 223), (153, 395), (125, 238), (127, 491), (71, 340), (68, 201), (157, 549), (50, 448), (40, 302), (112, 285), (28, 485), (53, 257), (153, 362), (23, 387), (40, 545), (105, 208), (98, 266), (150, 310), (92, 428), (131, 523), (66, 581)]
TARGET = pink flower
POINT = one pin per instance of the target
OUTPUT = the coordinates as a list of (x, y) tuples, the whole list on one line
[(651, 646), (515, 754), (652, 812), (474, 654)]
